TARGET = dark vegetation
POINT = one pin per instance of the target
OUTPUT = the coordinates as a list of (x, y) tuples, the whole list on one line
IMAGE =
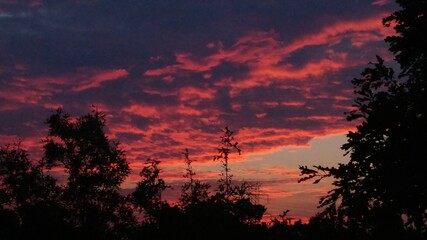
[(380, 193)]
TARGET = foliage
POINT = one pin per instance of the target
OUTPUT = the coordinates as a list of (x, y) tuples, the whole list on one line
[(21, 182), (383, 185), (28, 198), (148, 193), (87, 204), (95, 168)]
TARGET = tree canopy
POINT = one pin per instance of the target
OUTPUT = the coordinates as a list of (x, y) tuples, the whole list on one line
[(86, 202), (383, 186)]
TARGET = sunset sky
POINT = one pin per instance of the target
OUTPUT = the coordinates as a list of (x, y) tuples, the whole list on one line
[(171, 74)]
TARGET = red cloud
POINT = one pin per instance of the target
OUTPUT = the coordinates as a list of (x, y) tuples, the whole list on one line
[(191, 94), (143, 110), (22, 89), (266, 58), (380, 2), (263, 52), (94, 78)]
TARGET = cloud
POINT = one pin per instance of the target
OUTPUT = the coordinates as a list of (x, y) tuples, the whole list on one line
[(25, 89), (274, 92), (97, 77), (380, 2), (265, 54), (289, 101)]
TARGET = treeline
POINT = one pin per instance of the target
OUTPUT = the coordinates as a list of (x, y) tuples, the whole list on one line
[(83, 200), (85, 203)]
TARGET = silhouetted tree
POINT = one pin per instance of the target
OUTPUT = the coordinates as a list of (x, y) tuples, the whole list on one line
[(228, 144), (147, 196), (194, 191), (228, 213), (21, 182), (384, 184), (28, 198), (236, 200), (34, 204), (95, 168)]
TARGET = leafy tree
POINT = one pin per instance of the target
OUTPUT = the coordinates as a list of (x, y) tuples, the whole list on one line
[(384, 184), (409, 46), (28, 198), (21, 182), (95, 168), (147, 196)]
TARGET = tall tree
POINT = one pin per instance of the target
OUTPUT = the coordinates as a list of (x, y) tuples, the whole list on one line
[(194, 191), (95, 168), (228, 144), (384, 184), (147, 196), (237, 199)]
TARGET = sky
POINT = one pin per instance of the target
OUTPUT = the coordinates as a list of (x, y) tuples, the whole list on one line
[(171, 74)]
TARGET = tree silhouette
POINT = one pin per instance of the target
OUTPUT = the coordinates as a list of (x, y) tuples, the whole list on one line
[(37, 203), (194, 191), (148, 193), (384, 184), (95, 168), (21, 182), (28, 198), (228, 144), (236, 200)]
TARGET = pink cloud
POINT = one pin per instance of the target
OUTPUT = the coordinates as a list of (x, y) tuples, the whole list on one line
[(262, 49), (143, 110), (94, 78), (380, 2), (265, 56), (191, 94), (22, 89)]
